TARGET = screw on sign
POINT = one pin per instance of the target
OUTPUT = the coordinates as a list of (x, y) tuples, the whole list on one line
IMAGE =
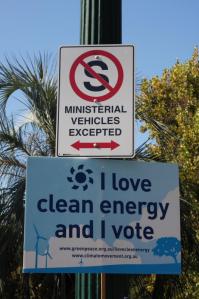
[(102, 79)]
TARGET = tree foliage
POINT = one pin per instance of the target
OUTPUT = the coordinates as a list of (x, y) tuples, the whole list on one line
[(35, 85), (168, 107)]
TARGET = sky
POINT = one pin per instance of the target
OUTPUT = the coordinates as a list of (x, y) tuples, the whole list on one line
[(161, 30)]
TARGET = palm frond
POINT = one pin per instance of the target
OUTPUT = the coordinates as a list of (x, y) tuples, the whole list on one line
[(36, 81), (10, 138), (36, 87), (12, 201)]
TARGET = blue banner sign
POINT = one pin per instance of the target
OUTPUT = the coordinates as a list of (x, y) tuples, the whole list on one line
[(98, 215)]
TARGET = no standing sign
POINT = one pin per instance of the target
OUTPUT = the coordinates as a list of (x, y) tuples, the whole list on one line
[(96, 101)]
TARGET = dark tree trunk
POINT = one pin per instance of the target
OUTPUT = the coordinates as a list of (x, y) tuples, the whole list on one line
[(26, 286), (158, 287)]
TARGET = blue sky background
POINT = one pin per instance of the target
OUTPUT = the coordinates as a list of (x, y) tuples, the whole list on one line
[(161, 30)]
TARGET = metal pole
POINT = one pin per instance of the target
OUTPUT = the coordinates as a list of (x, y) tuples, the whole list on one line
[(101, 23)]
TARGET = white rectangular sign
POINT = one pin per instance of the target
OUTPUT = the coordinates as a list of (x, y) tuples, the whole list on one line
[(96, 101), (100, 215)]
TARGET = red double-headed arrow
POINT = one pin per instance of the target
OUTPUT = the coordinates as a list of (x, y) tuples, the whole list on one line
[(78, 145)]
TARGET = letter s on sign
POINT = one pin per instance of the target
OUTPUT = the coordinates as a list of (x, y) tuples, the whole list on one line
[(103, 66)]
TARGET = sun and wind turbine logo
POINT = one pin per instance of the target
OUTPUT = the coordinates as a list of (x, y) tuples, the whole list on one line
[(80, 177), (41, 248)]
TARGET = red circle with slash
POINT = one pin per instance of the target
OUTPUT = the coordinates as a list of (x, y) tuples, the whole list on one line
[(111, 90)]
